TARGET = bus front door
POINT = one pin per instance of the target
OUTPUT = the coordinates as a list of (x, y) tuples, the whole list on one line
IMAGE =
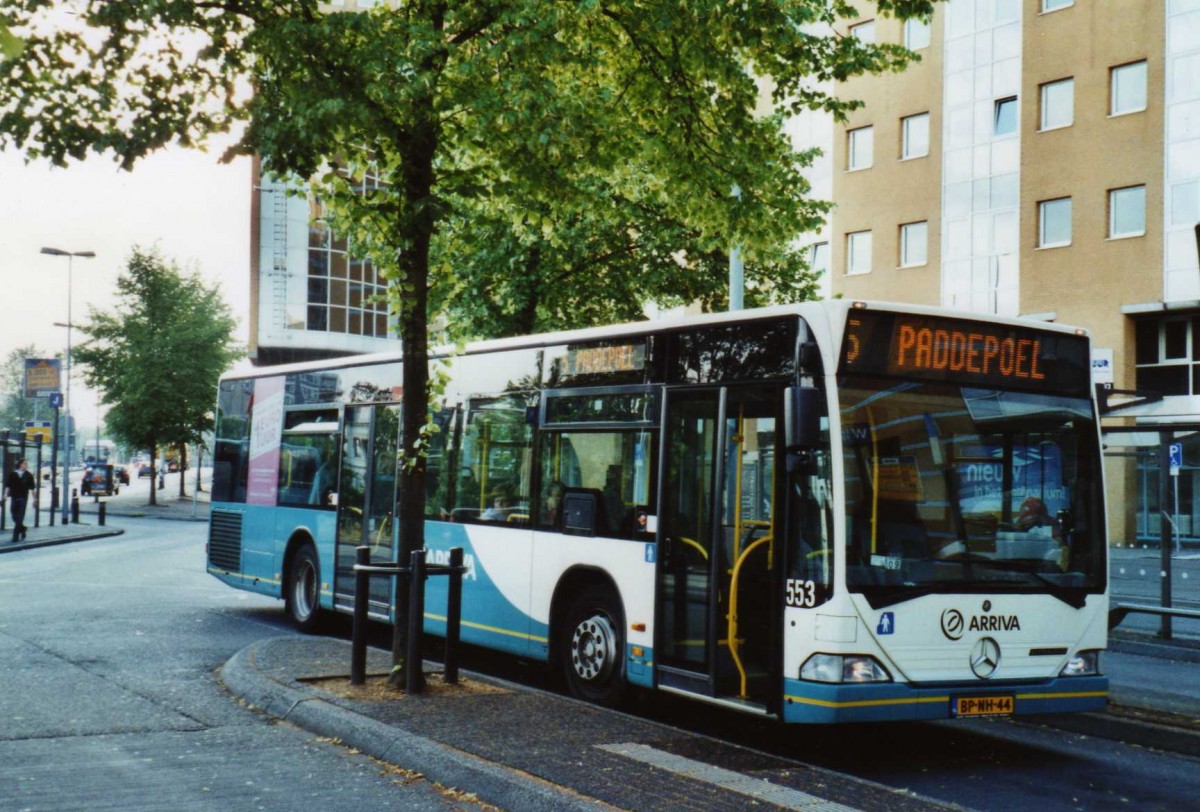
[(367, 498), (719, 563)]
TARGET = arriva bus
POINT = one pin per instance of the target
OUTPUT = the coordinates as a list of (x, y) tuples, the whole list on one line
[(825, 512)]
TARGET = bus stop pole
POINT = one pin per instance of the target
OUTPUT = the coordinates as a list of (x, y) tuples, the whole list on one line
[(1167, 535), (358, 637), (414, 675), (453, 615)]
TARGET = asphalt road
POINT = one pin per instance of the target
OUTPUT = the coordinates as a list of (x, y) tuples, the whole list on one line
[(109, 697)]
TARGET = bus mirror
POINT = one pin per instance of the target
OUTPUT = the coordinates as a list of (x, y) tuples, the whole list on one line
[(802, 418)]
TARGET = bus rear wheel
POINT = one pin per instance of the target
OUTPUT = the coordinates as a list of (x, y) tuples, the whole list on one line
[(303, 593), (592, 647)]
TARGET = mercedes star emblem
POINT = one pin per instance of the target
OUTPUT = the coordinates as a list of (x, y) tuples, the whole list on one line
[(985, 657)]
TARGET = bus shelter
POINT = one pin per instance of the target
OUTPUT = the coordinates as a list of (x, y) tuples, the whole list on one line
[(1152, 468)]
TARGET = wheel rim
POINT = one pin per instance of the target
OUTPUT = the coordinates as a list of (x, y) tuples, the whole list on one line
[(304, 594), (594, 648)]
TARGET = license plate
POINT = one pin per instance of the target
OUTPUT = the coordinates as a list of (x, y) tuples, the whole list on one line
[(983, 706)]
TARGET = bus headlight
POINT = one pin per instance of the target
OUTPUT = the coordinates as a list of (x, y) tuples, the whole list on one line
[(1083, 664), (843, 668)]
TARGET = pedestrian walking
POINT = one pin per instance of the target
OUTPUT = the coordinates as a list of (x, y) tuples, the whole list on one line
[(20, 482)]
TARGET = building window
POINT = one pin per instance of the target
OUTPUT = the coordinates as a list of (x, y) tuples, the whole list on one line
[(346, 294), (1127, 212), (914, 241), (1055, 5), (861, 146), (1006, 116), (1054, 223), (1167, 355), (863, 32), (1058, 104), (1128, 85), (914, 141), (818, 257), (858, 252), (916, 34)]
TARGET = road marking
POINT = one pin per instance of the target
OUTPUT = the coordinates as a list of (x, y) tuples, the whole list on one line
[(727, 779)]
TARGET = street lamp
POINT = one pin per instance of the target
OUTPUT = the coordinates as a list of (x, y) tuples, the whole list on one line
[(66, 481)]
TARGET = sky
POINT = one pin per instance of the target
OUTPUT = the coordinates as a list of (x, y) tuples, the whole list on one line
[(193, 208)]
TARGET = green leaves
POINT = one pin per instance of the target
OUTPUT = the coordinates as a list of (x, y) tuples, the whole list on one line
[(157, 357)]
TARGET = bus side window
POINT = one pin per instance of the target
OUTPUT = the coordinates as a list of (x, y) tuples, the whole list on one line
[(494, 461), (614, 466)]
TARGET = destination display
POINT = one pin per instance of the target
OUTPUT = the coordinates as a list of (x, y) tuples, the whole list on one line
[(970, 353)]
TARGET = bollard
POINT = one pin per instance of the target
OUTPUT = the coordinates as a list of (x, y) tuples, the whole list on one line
[(453, 615), (358, 637), (53, 497), (414, 679), (103, 511), (75, 509)]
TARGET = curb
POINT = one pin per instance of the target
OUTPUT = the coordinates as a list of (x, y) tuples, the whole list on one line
[(492, 783), (30, 545), (1123, 723)]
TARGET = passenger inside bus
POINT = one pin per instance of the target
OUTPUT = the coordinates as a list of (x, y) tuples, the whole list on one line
[(552, 510), (499, 509)]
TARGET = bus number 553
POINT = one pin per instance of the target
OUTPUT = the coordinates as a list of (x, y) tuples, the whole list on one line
[(801, 593)]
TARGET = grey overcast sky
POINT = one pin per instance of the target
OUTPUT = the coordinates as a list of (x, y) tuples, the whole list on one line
[(195, 209)]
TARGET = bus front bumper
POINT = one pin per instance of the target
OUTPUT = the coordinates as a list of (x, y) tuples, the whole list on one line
[(824, 703)]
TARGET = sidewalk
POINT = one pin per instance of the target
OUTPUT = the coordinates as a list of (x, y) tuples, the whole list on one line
[(47, 536), (523, 749)]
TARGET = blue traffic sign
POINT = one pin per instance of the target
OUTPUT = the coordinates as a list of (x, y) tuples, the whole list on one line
[(1176, 457), (56, 400)]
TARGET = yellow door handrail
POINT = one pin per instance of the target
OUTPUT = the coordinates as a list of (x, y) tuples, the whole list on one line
[(732, 640)]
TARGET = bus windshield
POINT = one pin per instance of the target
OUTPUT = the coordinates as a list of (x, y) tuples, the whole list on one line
[(958, 489)]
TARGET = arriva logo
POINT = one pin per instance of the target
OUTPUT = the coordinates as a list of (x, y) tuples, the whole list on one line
[(443, 557), (952, 624)]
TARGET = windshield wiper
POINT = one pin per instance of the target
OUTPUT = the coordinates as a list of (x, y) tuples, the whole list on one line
[(1070, 595)]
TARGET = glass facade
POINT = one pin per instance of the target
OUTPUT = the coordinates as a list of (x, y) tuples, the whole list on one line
[(346, 294)]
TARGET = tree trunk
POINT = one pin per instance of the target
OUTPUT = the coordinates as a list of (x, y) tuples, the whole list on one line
[(416, 226), (154, 474), (182, 468)]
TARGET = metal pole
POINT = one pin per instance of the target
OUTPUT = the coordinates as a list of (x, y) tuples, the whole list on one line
[(358, 635), (414, 676), (54, 468), (37, 491), (1167, 534), (66, 480), (453, 614), (4, 482), (737, 280)]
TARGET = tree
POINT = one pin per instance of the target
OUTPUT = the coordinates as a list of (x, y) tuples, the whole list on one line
[(526, 101), (157, 356)]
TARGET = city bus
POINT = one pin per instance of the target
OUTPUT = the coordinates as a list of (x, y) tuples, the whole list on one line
[(824, 512)]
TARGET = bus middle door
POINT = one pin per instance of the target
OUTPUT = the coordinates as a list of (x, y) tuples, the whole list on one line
[(367, 498), (719, 569)]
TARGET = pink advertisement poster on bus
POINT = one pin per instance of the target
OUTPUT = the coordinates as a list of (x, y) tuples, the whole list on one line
[(266, 425)]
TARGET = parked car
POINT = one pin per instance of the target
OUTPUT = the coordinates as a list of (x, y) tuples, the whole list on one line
[(144, 470), (121, 472)]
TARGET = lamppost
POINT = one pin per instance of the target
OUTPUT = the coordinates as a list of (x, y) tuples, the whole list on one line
[(66, 480)]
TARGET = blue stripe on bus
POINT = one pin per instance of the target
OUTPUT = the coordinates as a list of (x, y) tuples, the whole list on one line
[(488, 618)]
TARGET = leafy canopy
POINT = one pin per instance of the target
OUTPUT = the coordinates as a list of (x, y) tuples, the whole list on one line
[(550, 110), (157, 356)]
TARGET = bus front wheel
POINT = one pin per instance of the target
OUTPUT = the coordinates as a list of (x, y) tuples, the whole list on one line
[(593, 646), (303, 596)]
